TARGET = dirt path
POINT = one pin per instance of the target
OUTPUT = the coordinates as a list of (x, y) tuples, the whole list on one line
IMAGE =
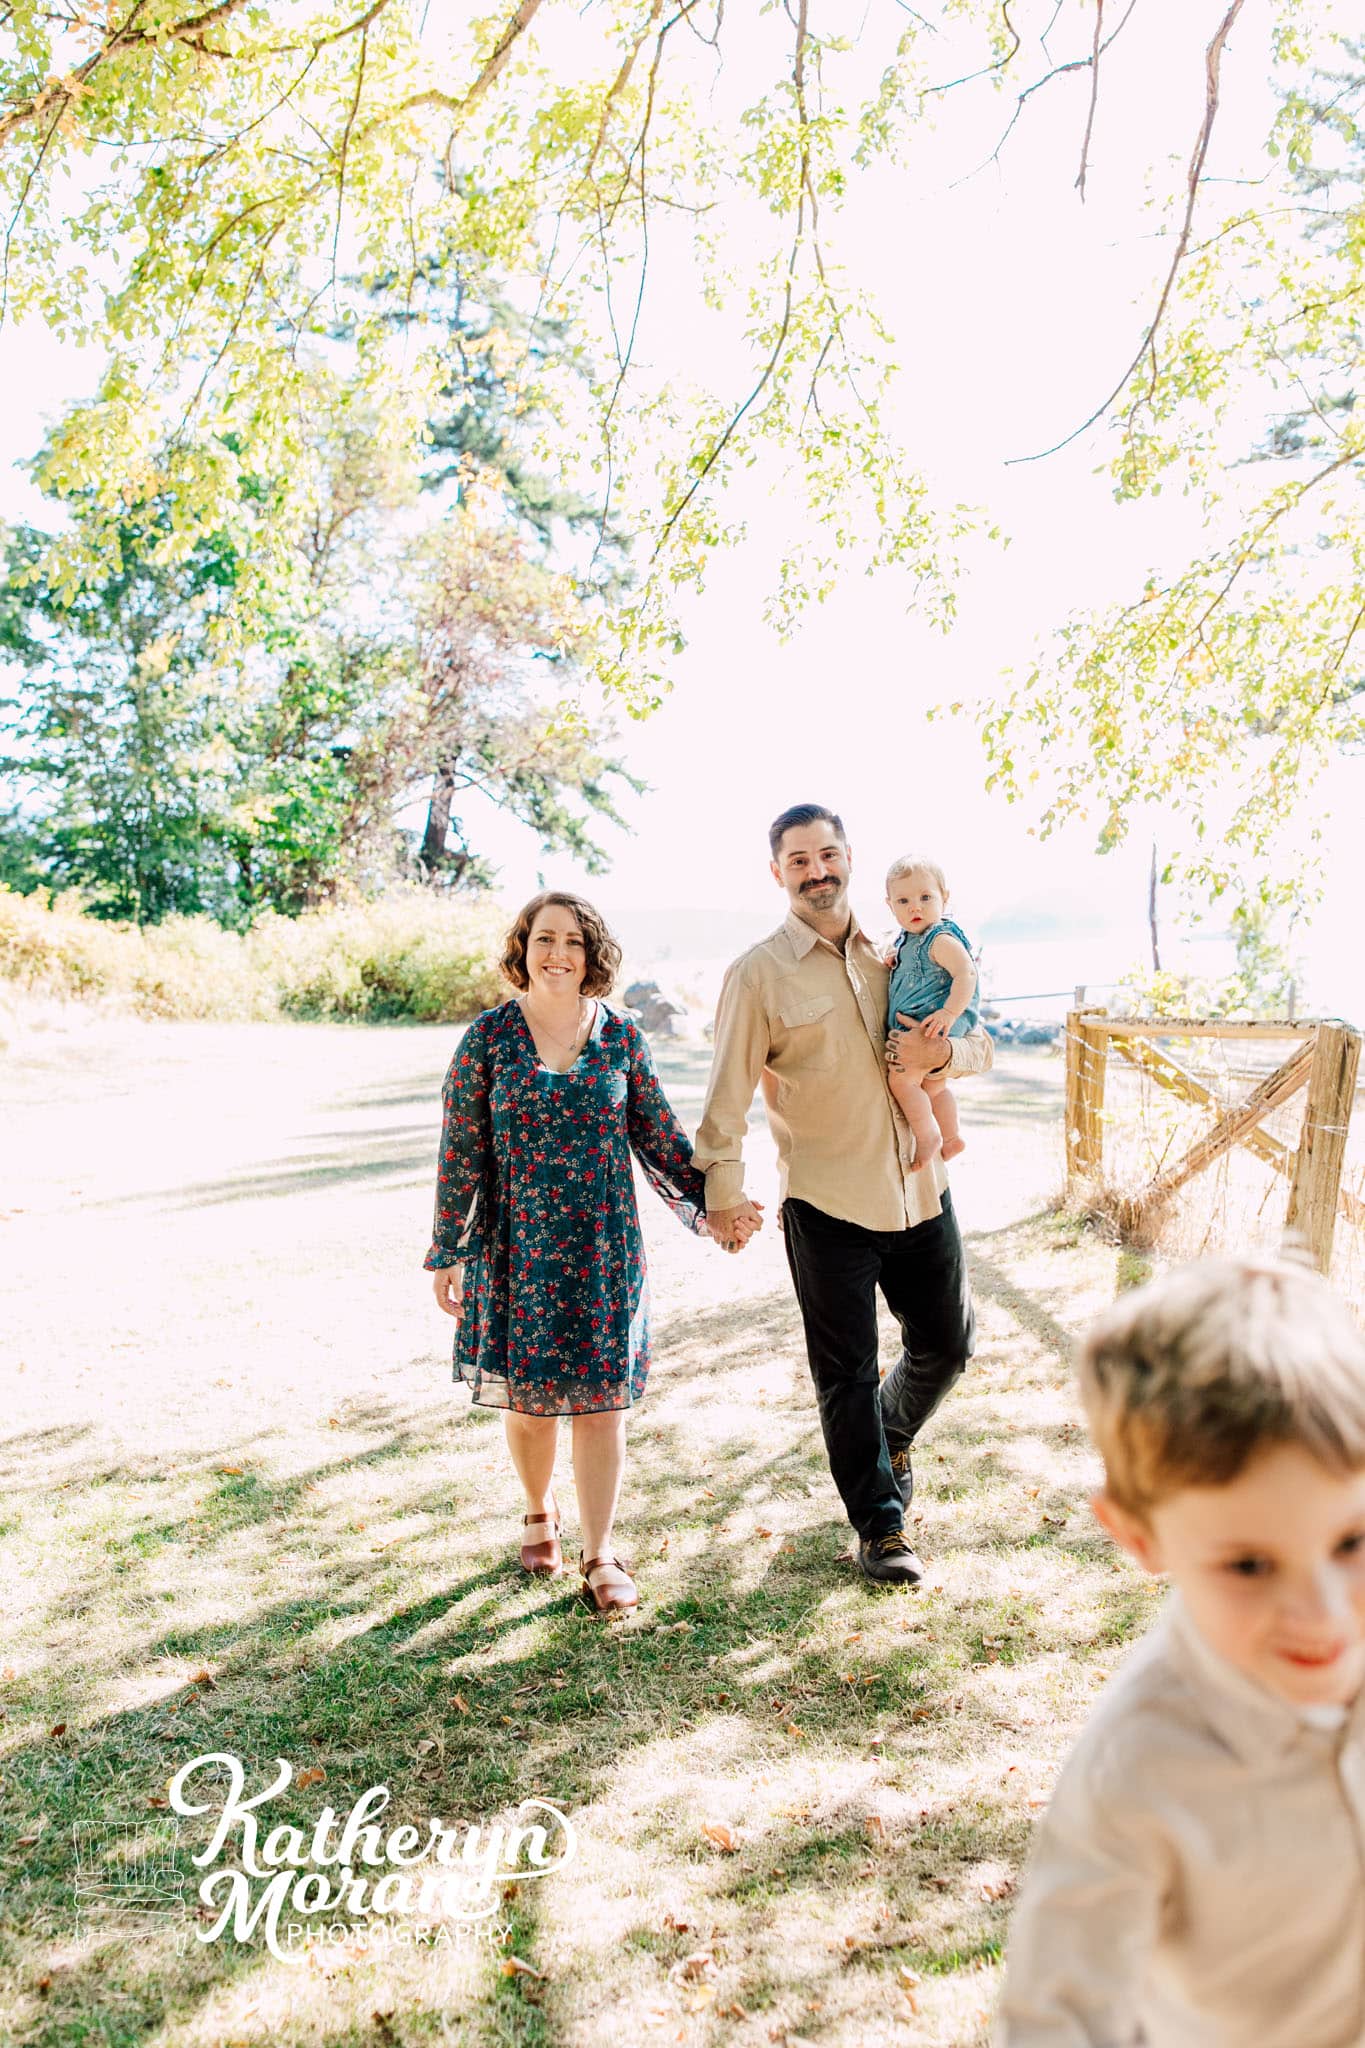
[(245, 1511), (236, 1215)]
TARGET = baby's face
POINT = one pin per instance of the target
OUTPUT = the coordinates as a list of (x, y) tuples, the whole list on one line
[(916, 900), (1272, 1571)]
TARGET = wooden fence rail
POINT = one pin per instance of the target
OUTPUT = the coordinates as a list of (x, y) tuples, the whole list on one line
[(1325, 1060)]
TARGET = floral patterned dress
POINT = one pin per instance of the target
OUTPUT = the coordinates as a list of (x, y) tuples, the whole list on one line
[(536, 1196)]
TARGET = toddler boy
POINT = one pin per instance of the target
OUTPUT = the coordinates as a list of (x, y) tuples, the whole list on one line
[(1199, 1878)]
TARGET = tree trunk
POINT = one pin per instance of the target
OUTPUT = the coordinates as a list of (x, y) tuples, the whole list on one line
[(434, 854), (1151, 913)]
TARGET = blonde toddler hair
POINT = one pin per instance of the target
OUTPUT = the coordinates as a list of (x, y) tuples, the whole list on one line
[(906, 866), (1187, 1380)]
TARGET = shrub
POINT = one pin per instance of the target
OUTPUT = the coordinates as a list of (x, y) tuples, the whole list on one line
[(405, 956)]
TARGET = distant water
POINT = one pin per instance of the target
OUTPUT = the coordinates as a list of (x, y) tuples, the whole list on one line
[(1039, 976), (1033, 978)]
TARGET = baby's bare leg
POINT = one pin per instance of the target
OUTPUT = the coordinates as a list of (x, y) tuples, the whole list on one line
[(943, 1103), (914, 1104)]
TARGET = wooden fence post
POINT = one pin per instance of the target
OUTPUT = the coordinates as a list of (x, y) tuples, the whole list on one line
[(1086, 1051), (1322, 1145)]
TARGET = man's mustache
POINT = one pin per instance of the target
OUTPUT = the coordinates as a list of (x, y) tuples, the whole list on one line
[(826, 882)]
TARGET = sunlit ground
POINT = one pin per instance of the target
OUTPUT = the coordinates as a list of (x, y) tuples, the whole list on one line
[(245, 1511)]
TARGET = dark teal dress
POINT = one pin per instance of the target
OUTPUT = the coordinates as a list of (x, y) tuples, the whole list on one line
[(535, 1195)]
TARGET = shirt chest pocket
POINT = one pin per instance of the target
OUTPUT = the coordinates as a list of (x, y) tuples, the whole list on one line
[(813, 1035)]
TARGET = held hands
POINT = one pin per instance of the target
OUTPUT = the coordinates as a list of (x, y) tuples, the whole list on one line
[(448, 1284), (732, 1228), (937, 1024)]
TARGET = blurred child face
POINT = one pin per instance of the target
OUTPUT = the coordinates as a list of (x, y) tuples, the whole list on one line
[(1271, 1568), (916, 900)]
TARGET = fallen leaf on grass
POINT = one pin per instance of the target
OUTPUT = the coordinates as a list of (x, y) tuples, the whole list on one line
[(462, 1703), (689, 1968), (155, 1801), (426, 1745), (58, 1728), (678, 1926), (312, 1776), (724, 1837), (993, 1881), (513, 1966), (204, 1678), (763, 1532), (874, 1827), (44, 1986), (27, 1841), (233, 1471)]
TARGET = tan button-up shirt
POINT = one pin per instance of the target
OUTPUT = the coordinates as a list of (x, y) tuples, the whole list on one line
[(807, 1020), (1199, 1878)]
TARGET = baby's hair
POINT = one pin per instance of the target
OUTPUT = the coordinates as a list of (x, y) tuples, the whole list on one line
[(906, 866), (1189, 1379)]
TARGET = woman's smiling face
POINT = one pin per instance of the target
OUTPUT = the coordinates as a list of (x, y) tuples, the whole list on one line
[(556, 954)]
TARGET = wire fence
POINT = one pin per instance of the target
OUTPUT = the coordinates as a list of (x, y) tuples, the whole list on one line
[(1237, 1203)]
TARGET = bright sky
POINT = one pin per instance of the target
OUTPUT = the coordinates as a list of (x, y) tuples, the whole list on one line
[(1014, 308)]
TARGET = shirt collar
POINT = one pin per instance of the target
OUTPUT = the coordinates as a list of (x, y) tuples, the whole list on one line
[(1254, 1722), (803, 936)]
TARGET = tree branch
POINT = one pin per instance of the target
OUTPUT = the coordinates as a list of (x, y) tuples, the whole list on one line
[(1057, 71), (1094, 96), (1213, 58), (765, 376)]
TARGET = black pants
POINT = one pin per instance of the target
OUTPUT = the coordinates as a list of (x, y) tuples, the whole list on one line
[(836, 1269)]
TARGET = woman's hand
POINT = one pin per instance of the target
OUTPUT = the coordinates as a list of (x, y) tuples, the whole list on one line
[(732, 1228), (448, 1283)]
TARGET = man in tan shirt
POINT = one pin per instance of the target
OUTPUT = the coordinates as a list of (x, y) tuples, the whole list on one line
[(803, 1015)]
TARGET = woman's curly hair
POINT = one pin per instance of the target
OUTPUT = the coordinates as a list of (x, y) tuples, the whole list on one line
[(602, 955)]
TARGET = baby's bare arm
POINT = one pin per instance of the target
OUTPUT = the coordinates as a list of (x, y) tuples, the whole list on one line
[(950, 954)]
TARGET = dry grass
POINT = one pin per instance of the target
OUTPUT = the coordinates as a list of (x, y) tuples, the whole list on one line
[(245, 1511)]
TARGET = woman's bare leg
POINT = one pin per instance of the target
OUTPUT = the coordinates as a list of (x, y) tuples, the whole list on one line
[(943, 1103), (599, 1463), (533, 1441), (909, 1091)]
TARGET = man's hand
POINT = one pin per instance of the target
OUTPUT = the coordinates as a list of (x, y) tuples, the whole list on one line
[(733, 1228), (910, 1051), (448, 1283)]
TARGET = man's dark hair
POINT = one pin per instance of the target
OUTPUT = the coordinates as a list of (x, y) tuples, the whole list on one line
[(803, 814)]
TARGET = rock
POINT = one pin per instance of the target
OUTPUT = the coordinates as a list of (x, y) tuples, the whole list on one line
[(652, 1007)]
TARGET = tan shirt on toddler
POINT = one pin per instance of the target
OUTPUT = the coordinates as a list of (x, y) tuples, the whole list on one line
[(1199, 1878)]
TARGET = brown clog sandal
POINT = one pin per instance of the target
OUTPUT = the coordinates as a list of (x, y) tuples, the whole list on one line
[(611, 1598), (544, 1560)]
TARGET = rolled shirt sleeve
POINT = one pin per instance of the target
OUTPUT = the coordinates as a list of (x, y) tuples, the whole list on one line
[(973, 1052)]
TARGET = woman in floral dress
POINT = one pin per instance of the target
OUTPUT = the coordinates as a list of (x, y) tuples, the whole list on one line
[(536, 1247)]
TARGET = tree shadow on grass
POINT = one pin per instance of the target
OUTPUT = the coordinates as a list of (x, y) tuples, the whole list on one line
[(755, 1657)]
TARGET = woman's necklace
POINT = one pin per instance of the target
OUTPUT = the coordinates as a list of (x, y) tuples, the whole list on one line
[(572, 1044)]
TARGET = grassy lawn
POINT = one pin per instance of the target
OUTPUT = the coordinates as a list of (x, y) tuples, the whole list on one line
[(244, 1511)]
